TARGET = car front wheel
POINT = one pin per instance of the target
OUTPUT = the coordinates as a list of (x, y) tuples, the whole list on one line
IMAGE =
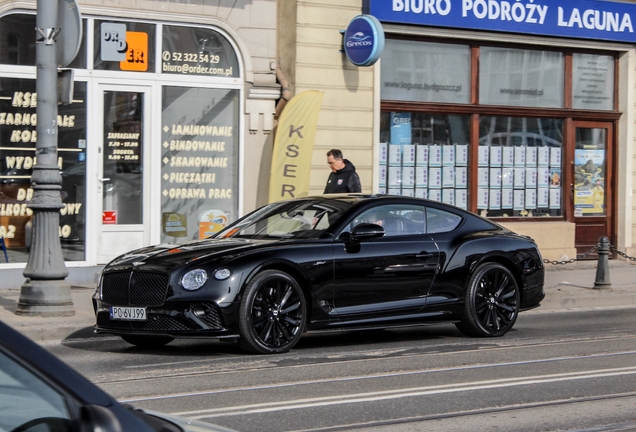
[(492, 302), (272, 313)]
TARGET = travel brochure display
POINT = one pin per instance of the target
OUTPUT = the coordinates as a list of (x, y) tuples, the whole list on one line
[(519, 178)]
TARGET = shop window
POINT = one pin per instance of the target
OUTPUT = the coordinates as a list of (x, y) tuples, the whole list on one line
[(18, 141), (124, 46), (518, 77), (17, 39), (197, 51), (592, 81), (426, 156), (425, 71), (200, 171), (519, 167)]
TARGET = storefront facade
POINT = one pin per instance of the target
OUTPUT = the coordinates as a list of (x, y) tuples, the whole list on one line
[(518, 111), (165, 115)]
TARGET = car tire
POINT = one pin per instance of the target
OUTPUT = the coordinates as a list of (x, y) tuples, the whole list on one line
[(273, 313), (492, 302), (143, 341)]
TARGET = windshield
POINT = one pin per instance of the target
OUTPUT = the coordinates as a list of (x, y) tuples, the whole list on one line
[(288, 219)]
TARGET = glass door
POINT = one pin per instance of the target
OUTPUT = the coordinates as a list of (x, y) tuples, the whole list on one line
[(592, 183), (122, 183)]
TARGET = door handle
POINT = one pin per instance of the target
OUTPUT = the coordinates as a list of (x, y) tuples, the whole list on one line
[(424, 255), (103, 179)]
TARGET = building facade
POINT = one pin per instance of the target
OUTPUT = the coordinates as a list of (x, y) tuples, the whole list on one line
[(171, 102), (520, 111)]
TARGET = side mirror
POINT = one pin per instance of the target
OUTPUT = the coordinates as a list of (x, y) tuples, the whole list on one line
[(366, 231), (98, 418)]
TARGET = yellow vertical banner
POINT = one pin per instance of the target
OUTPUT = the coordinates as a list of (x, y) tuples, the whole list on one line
[(293, 147)]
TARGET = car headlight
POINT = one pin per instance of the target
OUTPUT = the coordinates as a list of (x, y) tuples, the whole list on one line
[(194, 279), (222, 274)]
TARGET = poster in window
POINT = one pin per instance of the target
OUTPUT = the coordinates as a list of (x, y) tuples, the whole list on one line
[(531, 199), (507, 178), (495, 156), (448, 157), (555, 177), (506, 198), (448, 196), (408, 155), (461, 155), (543, 197), (401, 128), (482, 198), (421, 193), (520, 156), (520, 178), (382, 175), (448, 177), (543, 177), (482, 156), (589, 181), (494, 199), (508, 156), (383, 153), (461, 177), (408, 177), (435, 156), (435, 195), (531, 156), (421, 177), (482, 177), (495, 177), (531, 177), (395, 177), (461, 198), (543, 156), (395, 154), (555, 198), (435, 178), (555, 157), (422, 155), (519, 199)]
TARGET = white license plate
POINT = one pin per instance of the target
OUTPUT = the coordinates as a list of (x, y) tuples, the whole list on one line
[(127, 313)]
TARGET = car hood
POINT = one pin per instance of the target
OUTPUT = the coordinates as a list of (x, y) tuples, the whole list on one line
[(173, 255)]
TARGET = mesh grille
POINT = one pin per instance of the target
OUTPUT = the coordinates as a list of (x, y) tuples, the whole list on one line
[(155, 323), (134, 288), (212, 318)]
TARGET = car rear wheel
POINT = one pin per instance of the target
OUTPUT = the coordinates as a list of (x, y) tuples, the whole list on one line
[(147, 341), (492, 302), (273, 313)]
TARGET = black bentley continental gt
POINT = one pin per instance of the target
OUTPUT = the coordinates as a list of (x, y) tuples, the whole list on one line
[(332, 262)]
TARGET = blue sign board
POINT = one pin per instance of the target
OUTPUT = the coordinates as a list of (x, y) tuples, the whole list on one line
[(364, 40), (584, 19)]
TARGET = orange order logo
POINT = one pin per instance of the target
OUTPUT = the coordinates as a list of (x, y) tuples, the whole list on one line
[(136, 52)]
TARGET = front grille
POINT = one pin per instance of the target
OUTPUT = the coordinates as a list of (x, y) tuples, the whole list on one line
[(176, 321), (156, 322), (134, 288)]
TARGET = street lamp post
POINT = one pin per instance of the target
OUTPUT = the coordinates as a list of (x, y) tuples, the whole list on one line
[(45, 291)]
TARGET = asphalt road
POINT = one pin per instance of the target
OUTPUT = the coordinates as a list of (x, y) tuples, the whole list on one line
[(571, 370)]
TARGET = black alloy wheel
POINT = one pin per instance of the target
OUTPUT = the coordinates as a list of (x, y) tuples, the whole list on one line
[(492, 302), (272, 314), (144, 341)]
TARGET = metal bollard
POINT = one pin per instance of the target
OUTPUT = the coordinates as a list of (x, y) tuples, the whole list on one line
[(602, 269)]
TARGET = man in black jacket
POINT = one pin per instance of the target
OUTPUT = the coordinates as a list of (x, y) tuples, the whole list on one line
[(343, 177)]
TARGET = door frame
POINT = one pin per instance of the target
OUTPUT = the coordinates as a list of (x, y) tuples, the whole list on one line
[(609, 219), (143, 231)]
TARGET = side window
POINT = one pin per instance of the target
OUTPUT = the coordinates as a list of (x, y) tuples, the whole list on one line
[(27, 403), (396, 219), (439, 221)]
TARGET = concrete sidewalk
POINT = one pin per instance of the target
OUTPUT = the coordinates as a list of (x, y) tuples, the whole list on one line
[(569, 286)]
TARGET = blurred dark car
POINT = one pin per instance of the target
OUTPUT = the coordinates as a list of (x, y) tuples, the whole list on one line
[(40, 393), (324, 263)]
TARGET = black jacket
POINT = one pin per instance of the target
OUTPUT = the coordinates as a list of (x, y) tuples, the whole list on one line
[(344, 180)]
